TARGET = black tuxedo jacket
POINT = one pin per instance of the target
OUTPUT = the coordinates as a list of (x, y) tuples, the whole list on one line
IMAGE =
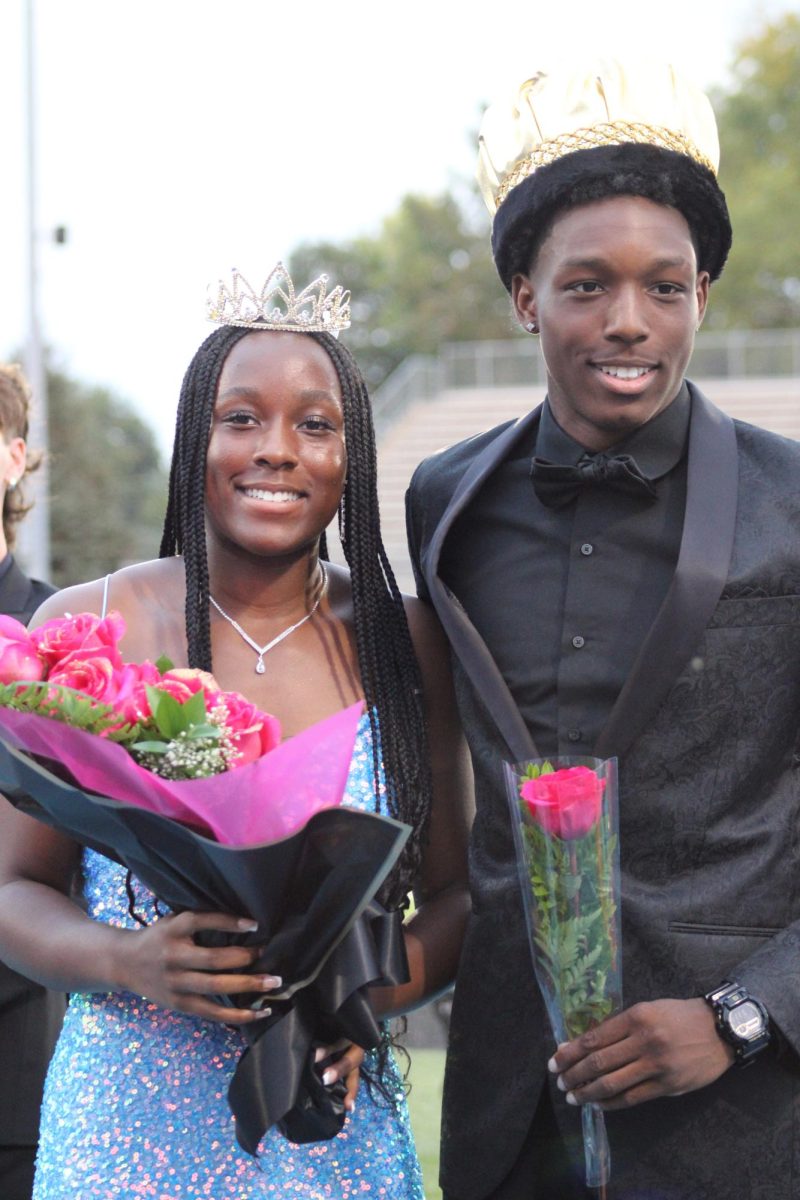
[(706, 732), (30, 1016)]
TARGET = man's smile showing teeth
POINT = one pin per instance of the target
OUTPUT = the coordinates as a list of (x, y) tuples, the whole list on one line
[(271, 497), (625, 372)]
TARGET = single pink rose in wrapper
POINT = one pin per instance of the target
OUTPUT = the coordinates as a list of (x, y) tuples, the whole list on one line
[(18, 655), (65, 636), (566, 803)]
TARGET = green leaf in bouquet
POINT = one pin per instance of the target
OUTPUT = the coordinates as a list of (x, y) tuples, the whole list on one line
[(205, 731), (171, 717), (151, 747), (534, 770), (568, 942), (164, 664), (572, 885), (124, 734), (585, 964), (71, 707)]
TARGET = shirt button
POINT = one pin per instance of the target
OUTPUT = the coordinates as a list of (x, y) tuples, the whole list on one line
[(578, 641), (587, 548), (574, 735)]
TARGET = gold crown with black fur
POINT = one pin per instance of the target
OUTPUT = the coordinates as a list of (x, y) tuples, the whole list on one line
[(581, 106)]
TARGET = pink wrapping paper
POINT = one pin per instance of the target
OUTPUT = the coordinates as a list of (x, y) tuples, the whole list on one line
[(264, 801)]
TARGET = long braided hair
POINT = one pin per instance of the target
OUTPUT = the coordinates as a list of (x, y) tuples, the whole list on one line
[(388, 665)]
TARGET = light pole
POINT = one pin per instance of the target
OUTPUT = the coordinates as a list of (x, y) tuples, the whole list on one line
[(35, 530)]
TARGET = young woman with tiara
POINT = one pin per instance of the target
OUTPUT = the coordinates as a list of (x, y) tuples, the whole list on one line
[(273, 438)]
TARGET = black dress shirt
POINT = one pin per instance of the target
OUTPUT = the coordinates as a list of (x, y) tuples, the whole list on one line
[(564, 597)]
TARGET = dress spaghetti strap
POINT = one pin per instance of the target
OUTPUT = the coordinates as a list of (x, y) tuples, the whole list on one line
[(104, 609)]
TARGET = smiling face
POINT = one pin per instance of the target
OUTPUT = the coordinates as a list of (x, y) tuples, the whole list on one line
[(617, 297), (276, 458)]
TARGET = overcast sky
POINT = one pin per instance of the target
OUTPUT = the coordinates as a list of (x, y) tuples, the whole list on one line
[(179, 138)]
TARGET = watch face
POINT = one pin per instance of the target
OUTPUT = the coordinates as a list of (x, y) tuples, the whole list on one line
[(746, 1020)]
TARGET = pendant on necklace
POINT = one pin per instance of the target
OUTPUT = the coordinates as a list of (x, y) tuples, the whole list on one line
[(262, 650)]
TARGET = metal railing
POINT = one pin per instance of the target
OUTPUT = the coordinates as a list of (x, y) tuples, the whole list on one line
[(733, 354)]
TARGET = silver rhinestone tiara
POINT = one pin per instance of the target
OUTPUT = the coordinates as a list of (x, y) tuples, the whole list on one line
[(278, 306)]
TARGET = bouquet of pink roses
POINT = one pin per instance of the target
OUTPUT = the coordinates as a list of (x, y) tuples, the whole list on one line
[(164, 734), (177, 723), (191, 789)]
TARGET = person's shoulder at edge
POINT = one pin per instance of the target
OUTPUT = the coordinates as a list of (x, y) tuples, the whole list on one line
[(138, 584), (767, 444), (451, 461), (41, 590), (769, 471), (756, 439)]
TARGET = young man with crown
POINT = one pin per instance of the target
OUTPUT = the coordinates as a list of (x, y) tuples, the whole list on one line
[(619, 575)]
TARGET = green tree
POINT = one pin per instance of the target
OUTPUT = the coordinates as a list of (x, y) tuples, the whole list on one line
[(107, 483), (426, 278), (759, 119)]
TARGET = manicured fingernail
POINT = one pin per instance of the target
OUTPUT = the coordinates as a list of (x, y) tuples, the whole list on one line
[(247, 926), (350, 1105), (263, 1012), (570, 1098), (562, 1087), (329, 1077), (551, 1066), (270, 982), (319, 1054)]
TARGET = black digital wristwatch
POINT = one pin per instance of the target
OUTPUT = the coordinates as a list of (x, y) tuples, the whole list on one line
[(741, 1020)]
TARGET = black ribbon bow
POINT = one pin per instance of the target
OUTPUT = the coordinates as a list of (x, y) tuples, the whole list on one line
[(557, 485)]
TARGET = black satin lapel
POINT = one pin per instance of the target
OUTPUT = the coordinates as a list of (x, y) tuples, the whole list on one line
[(467, 643), (702, 569)]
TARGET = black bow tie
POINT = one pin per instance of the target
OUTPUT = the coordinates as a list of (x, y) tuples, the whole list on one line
[(556, 485)]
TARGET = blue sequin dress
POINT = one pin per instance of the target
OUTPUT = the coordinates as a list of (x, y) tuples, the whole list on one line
[(135, 1103)]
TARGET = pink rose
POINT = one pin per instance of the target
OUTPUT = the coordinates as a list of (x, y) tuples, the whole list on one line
[(181, 686), (63, 636), (195, 678), (90, 672), (252, 732), (19, 659), (130, 684), (566, 803)]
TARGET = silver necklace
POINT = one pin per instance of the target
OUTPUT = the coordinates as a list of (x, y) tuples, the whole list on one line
[(262, 650)]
